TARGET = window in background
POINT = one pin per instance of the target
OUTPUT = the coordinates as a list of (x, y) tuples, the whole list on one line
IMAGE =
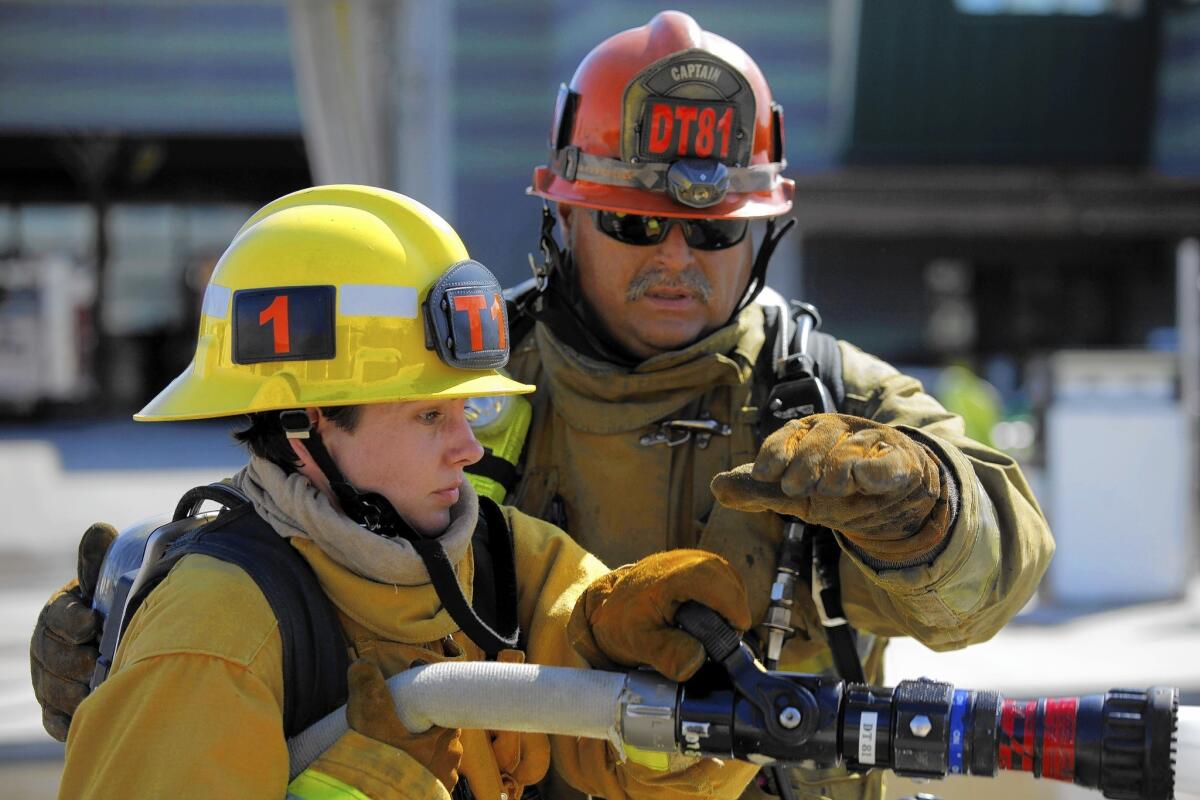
[(1088, 8)]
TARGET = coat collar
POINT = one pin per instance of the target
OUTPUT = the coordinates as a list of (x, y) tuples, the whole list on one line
[(603, 398)]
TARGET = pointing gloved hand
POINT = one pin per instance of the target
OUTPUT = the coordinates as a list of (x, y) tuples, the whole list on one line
[(882, 490), (371, 711), (626, 617), (66, 639)]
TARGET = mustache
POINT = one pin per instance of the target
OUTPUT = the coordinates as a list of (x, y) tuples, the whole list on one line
[(690, 280)]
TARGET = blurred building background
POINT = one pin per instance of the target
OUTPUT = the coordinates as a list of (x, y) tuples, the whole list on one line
[(1000, 196)]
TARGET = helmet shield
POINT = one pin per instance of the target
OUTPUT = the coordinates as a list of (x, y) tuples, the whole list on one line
[(690, 104)]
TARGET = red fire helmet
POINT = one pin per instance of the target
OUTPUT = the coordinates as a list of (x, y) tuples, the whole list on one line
[(668, 119)]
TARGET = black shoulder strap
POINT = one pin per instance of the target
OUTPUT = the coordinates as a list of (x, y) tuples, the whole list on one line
[(315, 657), (494, 586), (764, 367), (827, 363), (518, 300), (801, 365), (804, 370), (501, 470)]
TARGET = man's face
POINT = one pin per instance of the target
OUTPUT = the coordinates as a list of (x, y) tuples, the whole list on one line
[(655, 298), (412, 453)]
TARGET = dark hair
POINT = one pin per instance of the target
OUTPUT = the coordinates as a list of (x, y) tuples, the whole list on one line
[(264, 437)]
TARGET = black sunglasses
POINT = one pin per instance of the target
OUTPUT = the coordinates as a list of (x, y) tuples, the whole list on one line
[(702, 234)]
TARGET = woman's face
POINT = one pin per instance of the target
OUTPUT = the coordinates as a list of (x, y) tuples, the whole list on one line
[(413, 453)]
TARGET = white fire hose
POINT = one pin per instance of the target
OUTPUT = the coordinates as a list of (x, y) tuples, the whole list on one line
[(488, 695)]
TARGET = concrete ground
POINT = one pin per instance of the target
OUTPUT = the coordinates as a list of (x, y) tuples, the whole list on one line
[(56, 479)]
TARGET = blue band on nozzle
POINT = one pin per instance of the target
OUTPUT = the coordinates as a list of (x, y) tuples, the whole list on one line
[(958, 714)]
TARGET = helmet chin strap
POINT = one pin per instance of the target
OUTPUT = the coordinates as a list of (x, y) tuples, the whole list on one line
[(558, 300), (369, 509), (376, 513), (758, 272)]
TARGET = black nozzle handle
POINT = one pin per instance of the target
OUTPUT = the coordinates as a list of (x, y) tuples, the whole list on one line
[(719, 638)]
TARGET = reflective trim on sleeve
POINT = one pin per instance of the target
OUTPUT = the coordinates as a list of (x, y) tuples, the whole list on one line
[(314, 785)]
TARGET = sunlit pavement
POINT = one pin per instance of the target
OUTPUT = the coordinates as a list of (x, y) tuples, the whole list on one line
[(55, 480), (1063, 651)]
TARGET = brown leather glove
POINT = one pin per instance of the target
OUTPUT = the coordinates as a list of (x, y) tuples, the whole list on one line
[(371, 711), (870, 482), (66, 638), (626, 617)]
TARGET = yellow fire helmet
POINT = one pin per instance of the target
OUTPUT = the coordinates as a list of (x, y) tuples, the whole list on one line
[(340, 295)]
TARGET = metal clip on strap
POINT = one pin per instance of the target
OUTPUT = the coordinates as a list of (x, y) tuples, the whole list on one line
[(822, 593), (674, 432), (827, 597), (222, 493)]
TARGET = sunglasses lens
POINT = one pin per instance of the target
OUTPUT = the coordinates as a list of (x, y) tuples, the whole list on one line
[(714, 234), (702, 234), (630, 228)]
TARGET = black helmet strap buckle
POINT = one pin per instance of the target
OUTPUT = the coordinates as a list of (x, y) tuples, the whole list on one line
[(552, 254)]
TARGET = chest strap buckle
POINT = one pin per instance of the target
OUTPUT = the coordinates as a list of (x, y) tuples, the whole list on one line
[(674, 432)]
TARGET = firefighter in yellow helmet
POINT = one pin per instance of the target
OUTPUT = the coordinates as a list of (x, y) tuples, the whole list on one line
[(351, 326)]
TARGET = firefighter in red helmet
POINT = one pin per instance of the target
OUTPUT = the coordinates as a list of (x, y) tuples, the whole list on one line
[(663, 365)]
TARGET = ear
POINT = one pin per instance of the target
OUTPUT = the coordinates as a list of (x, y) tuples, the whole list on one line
[(315, 419), (566, 218)]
